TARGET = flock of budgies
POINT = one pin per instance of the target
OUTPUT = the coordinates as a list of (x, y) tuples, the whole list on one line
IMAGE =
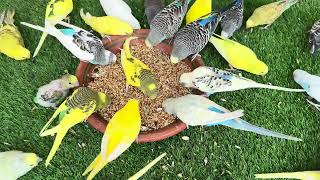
[(187, 42)]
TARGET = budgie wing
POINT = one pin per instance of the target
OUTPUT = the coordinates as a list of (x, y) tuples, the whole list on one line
[(130, 70)]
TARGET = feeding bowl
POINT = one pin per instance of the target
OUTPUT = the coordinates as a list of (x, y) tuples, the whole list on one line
[(84, 71)]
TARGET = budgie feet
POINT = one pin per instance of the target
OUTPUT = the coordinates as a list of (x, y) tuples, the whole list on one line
[(195, 56), (2, 15), (233, 70), (67, 19), (206, 95), (266, 27), (317, 106), (108, 37)]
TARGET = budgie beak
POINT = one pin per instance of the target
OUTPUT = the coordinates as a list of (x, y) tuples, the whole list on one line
[(174, 60), (149, 45)]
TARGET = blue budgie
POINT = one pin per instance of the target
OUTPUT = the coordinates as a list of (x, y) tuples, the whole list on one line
[(192, 38), (167, 22), (232, 17), (314, 38), (198, 110), (310, 83)]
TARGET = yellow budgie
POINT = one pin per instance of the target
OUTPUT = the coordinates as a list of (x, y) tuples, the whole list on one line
[(11, 42), (305, 175), (239, 56), (121, 132), (267, 14), (137, 73), (56, 11), (106, 25), (199, 9), (75, 109)]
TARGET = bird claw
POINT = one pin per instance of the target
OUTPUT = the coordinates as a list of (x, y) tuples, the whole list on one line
[(317, 106), (266, 27), (67, 19), (195, 56)]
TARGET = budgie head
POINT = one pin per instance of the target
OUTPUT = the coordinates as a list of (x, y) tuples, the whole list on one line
[(186, 80), (250, 23), (149, 85), (103, 100), (155, 37), (259, 68), (179, 52), (31, 159), (69, 81), (21, 53), (169, 105)]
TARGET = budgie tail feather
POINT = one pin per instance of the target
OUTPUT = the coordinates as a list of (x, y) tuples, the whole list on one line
[(293, 175)]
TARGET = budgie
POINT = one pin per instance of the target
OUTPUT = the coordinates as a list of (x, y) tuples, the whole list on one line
[(167, 22), (314, 38), (106, 25), (56, 11), (54, 93), (239, 56), (304, 175), (232, 18), (198, 110), (212, 80), (14, 164), (152, 8), (81, 43), (120, 10), (74, 110), (192, 38), (267, 14), (137, 73), (11, 42), (199, 9), (121, 132), (310, 83)]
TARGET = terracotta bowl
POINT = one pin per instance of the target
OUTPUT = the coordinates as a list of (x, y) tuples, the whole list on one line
[(84, 71)]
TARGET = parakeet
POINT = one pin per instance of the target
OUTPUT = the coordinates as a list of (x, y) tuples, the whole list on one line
[(232, 17), (238, 55), (54, 93), (267, 14), (198, 110), (152, 8), (304, 175), (147, 167), (14, 164), (11, 42), (137, 73), (167, 22), (192, 38), (81, 43), (121, 132), (199, 9), (314, 38), (56, 11), (310, 83), (74, 110), (193, 111), (106, 25), (212, 80), (120, 10)]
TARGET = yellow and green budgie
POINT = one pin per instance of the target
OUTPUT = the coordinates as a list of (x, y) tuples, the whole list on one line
[(199, 9), (106, 25), (74, 110), (304, 175), (137, 73), (56, 11), (267, 14), (11, 42), (121, 132), (239, 56)]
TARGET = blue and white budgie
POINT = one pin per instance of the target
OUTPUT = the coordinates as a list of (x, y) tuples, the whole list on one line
[(120, 10), (14, 164), (212, 80), (54, 93), (232, 17), (81, 43), (314, 38), (192, 38), (152, 8), (198, 110), (167, 22), (310, 83)]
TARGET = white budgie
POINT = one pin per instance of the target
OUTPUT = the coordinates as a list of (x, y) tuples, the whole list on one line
[(81, 43), (14, 164), (120, 10), (194, 110)]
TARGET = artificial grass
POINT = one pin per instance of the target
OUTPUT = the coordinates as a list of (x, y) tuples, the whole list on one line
[(283, 47)]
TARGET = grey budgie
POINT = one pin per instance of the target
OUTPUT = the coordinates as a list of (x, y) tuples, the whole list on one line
[(192, 38), (232, 17), (167, 22), (314, 39), (152, 8)]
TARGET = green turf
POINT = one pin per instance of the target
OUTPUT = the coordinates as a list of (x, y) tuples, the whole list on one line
[(283, 47)]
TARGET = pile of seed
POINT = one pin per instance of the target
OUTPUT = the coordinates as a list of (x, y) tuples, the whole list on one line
[(112, 81)]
